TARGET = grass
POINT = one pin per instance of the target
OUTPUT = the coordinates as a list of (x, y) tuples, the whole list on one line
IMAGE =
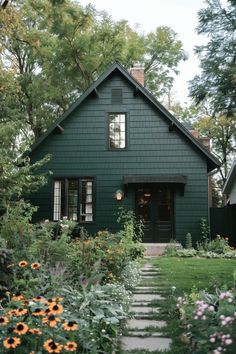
[(199, 273), (185, 274)]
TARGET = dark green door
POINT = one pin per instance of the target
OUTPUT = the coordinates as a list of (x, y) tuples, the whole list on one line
[(155, 206)]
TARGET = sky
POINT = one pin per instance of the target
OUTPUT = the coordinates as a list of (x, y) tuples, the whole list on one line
[(180, 15)]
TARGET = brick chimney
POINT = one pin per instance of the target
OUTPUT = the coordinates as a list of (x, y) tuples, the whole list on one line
[(137, 71)]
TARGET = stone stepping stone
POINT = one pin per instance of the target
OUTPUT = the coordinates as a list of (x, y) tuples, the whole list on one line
[(147, 297), (149, 276), (144, 323), (145, 334), (151, 288), (150, 343), (144, 310)]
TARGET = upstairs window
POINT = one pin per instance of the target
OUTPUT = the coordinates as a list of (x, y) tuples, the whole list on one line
[(117, 131), (116, 96), (73, 197)]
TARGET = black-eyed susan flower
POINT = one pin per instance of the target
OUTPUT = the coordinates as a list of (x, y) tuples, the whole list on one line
[(52, 347), (51, 320), (21, 328), (22, 264), (35, 265), (11, 342), (9, 266), (3, 321), (12, 312), (38, 312), (17, 297), (57, 299), (70, 326), (39, 299), (70, 346), (21, 312), (55, 308), (35, 331)]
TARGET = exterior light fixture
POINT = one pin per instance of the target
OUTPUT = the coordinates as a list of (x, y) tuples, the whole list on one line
[(119, 195)]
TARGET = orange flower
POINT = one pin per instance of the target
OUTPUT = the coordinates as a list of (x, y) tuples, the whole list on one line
[(70, 326), (21, 328), (12, 312), (51, 320), (70, 346), (3, 321), (58, 299), (17, 297), (23, 264), (55, 308), (35, 265), (21, 312), (52, 347), (35, 331), (11, 342), (9, 266), (39, 299), (38, 312)]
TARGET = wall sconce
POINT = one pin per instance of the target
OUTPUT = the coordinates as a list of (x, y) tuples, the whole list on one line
[(119, 195)]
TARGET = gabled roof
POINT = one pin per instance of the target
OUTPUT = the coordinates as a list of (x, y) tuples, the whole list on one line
[(212, 161), (230, 180)]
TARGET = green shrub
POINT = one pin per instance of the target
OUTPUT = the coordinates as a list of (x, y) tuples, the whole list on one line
[(172, 248), (188, 241), (5, 271), (219, 245)]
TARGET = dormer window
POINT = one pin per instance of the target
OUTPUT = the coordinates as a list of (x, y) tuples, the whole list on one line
[(117, 131)]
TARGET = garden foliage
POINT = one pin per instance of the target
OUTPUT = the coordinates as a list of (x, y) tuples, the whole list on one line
[(66, 294)]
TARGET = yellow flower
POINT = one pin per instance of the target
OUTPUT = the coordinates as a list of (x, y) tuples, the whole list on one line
[(51, 320), (3, 321), (70, 326), (21, 312), (23, 264), (35, 265), (70, 346), (55, 308), (11, 342), (21, 328), (52, 347)]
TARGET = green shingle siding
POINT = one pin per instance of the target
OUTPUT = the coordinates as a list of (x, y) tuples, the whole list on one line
[(152, 150)]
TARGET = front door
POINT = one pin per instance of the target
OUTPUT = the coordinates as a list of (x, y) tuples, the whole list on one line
[(155, 207)]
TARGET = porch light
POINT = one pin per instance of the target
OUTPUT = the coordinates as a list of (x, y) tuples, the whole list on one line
[(119, 195)]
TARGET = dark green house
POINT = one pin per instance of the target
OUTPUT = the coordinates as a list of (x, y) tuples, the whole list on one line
[(118, 146)]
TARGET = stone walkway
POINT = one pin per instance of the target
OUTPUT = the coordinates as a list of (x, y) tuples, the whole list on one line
[(144, 330)]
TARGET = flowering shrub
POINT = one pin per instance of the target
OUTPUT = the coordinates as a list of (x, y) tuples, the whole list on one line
[(217, 248), (37, 325), (82, 321), (210, 321), (218, 245)]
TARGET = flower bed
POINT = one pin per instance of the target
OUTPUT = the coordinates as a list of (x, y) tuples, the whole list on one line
[(209, 321)]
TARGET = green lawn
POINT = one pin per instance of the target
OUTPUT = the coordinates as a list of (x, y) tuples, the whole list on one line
[(201, 273)]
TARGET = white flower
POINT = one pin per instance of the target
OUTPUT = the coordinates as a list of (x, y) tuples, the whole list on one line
[(228, 341)]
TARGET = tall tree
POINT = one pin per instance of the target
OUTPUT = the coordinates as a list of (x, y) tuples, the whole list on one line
[(56, 49), (216, 84), (222, 132)]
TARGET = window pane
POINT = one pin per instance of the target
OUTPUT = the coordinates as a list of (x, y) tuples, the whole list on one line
[(117, 131), (86, 205), (57, 201), (73, 199)]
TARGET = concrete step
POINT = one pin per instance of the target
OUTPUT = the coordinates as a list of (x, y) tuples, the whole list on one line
[(144, 310), (144, 323), (154, 249), (151, 343), (147, 297), (145, 334)]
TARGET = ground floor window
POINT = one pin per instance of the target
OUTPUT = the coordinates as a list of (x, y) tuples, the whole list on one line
[(73, 197)]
